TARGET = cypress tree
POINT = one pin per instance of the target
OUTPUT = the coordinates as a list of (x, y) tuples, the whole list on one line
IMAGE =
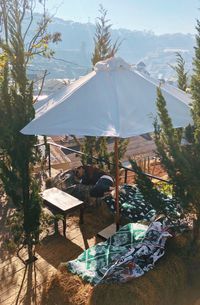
[(182, 162), (16, 110), (195, 87), (181, 73), (103, 46), (149, 191)]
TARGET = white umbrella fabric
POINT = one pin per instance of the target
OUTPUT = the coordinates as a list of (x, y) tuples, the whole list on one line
[(114, 100)]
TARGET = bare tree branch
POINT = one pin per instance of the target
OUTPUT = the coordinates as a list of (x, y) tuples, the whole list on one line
[(41, 88), (31, 19)]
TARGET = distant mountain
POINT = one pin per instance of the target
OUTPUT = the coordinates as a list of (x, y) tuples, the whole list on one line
[(75, 51)]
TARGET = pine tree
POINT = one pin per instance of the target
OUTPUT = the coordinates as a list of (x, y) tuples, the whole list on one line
[(176, 158), (181, 73), (149, 191), (182, 162), (16, 110), (102, 40), (195, 87)]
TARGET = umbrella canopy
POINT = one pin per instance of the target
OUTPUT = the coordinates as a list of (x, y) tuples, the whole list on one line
[(113, 100)]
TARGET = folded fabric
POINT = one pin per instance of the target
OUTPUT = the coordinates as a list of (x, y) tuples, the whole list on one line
[(91, 264), (142, 257), (128, 254)]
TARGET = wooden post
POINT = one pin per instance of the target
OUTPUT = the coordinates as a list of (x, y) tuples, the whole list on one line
[(148, 165), (49, 159), (126, 176), (117, 184)]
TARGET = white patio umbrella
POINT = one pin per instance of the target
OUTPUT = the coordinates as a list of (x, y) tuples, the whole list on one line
[(114, 100)]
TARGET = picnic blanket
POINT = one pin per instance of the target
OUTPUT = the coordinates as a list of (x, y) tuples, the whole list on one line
[(134, 207), (141, 257), (91, 264)]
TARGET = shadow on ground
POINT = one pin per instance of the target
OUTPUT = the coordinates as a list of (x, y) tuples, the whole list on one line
[(56, 249)]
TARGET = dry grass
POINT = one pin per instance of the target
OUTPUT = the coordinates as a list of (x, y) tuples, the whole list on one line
[(66, 289), (165, 285), (157, 287)]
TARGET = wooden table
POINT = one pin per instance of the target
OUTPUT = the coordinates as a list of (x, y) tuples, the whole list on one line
[(62, 203)]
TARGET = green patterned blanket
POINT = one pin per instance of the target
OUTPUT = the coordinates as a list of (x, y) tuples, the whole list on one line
[(135, 207), (91, 264)]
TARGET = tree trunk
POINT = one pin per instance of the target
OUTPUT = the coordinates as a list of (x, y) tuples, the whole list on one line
[(26, 205), (30, 249)]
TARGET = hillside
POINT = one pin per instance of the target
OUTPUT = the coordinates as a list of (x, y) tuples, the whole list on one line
[(74, 52)]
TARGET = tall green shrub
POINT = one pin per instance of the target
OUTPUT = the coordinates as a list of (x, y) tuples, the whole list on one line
[(16, 110), (182, 75), (181, 160)]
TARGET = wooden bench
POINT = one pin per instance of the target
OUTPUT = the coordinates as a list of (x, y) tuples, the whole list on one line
[(59, 202)]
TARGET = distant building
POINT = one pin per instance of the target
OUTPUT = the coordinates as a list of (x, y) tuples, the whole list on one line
[(141, 67)]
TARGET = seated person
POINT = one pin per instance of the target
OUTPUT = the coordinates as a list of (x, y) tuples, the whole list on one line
[(99, 181), (84, 182), (88, 174)]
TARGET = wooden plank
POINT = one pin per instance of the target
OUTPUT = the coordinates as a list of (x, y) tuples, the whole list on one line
[(11, 259), (107, 232), (43, 270)]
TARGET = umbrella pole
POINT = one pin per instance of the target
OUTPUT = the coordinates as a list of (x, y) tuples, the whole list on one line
[(117, 184)]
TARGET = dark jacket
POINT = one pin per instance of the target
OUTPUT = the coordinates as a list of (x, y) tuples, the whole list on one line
[(91, 175)]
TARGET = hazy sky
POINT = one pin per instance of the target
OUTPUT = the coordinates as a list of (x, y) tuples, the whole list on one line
[(159, 16)]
